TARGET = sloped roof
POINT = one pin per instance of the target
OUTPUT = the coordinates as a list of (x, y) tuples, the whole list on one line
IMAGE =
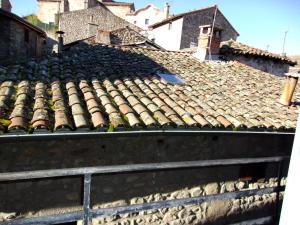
[(128, 36), (103, 88), (180, 15), (22, 21), (234, 47)]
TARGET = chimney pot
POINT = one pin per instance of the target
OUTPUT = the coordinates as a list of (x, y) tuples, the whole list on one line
[(289, 89), (60, 41), (167, 10)]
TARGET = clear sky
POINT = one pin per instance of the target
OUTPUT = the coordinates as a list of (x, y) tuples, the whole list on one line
[(259, 22)]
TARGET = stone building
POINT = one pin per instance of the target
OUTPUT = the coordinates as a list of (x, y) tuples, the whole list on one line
[(256, 58), (182, 30), (5, 5), (148, 16), (106, 105), (82, 24), (120, 9), (19, 39), (48, 9)]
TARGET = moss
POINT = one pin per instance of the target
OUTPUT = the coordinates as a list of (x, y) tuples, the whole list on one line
[(5, 122), (111, 128)]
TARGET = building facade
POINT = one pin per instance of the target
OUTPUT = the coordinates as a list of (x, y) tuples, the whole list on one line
[(48, 9), (182, 30), (147, 16), (20, 40)]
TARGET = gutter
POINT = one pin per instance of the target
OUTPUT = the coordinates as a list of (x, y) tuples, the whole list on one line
[(75, 135)]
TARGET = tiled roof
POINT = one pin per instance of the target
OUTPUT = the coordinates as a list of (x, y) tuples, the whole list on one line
[(104, 88), (128, 36), (22, 21), (234, 47)]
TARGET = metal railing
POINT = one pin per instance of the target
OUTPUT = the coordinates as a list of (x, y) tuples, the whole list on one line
[(87, 214)]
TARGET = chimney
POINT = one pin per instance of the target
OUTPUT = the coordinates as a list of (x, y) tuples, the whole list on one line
[(103, 37), (86, 4), (5, 5), (289, 88), (166, 10), (208, 42), (60, 41)]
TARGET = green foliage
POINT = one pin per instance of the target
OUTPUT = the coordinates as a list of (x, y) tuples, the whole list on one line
[(33, 19)]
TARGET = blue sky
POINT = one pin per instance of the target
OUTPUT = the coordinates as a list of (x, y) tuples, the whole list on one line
[(259, 22)]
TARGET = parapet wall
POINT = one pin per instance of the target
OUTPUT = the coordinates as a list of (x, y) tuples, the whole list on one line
[(44, 197)]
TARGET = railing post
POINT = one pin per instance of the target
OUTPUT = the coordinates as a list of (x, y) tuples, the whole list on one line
[(86, 198), (279, 177)]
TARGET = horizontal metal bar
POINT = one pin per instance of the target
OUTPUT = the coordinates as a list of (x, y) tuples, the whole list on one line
[(71, 217), (258, 221), (135, 133), (54, 219), (10, 176), (178, 202)]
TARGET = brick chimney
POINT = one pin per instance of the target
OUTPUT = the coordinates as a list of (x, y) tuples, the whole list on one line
[(289, 88), (208, 37), (5, 4), (103, 37), (166, 10)]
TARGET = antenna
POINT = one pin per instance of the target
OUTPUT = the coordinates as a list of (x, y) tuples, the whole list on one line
[(283, 47), (212, 32)]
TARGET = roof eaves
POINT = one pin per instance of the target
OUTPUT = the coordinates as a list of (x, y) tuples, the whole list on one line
[(179, 16), (21, 20)]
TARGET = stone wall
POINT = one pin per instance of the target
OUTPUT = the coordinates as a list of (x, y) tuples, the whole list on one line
[(47, 10), (191, 30), (45, 152), (267, 65), (15, 47), (76, 24)]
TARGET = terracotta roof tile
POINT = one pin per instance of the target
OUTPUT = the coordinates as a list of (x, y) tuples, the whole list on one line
[(107, 88)]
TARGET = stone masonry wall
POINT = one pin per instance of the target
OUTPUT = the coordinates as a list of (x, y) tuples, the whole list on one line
[(75, 24), (13, 45), (191, 30), (267, 65), (44, 197)]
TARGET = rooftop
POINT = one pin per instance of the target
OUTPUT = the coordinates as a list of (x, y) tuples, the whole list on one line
[(238, 48), (109, 88)]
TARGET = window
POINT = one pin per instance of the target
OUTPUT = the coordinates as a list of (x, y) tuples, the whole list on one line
[(146, 21), (170, 26), (170, 78), (134, 22), (205, 30), (26, 35)]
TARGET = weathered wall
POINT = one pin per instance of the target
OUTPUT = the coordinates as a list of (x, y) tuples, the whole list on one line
[(169, 35), (47, 10), (152, 13), (267, 65), (111, 149), (75, 24), (4, 38), (13, 43), (191, 30)]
